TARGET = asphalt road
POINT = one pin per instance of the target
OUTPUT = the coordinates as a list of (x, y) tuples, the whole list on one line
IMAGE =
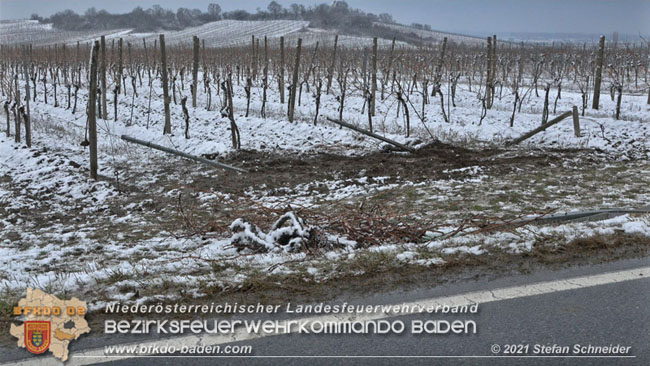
[(615, 313)]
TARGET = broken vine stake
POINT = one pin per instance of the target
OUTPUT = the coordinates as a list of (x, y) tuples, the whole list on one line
[(6, 106), (247, 90), (186, 116), (195, 71), (371, 134), (92, 117), (27, 116), (547, 90), (330, 72), (599, 73), (182, 154), (294, 84), (317, 95), (163, 57), (539, 129), (576, 121)]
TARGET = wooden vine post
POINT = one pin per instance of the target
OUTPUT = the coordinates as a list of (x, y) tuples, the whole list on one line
[(102, 72), (488, 78), (163, 56), (599, 73), (92, 117), (27, 116), (374, 77), (541, 128), (195, 71), (576, 121), (281, 78), (294, 83)]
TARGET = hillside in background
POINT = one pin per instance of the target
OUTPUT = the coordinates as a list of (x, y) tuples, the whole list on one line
[(319, 23)]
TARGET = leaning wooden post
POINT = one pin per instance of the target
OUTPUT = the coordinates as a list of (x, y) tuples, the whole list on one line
[(330, 72), (576, 121), (195, 71), (374, 77), (294, 84), (371, 134), (599, 73), (163, 56), (102, 72), (28, 127), (539, 129), (92, 117), (281, 78)]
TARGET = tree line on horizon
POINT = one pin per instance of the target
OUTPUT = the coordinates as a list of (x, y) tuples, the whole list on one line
[(337, 15)]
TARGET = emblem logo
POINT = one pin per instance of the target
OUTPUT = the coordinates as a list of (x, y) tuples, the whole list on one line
[(37, 336)]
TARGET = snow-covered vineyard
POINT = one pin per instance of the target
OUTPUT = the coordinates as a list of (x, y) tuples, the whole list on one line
[(317, 200), (219, 34)]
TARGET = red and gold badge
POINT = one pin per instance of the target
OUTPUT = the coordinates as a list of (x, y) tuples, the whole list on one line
[(37, 336)]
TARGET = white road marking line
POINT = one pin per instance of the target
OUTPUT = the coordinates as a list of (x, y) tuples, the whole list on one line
[(96, 355)]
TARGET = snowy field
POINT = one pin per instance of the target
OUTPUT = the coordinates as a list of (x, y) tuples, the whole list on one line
[(156, 227)]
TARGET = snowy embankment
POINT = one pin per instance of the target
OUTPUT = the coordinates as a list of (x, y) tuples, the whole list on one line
[(63, 232)]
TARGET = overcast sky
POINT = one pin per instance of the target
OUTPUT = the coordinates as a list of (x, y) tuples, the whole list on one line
[(469, 16)]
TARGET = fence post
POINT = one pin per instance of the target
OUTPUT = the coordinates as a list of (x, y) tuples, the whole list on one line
[(599, 73), (374, 76), (281, 80), (576, 121), (168, 125), (488, 78), (103, 76), (294, 84), (195, 71), (92, 117), (28, 126)]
